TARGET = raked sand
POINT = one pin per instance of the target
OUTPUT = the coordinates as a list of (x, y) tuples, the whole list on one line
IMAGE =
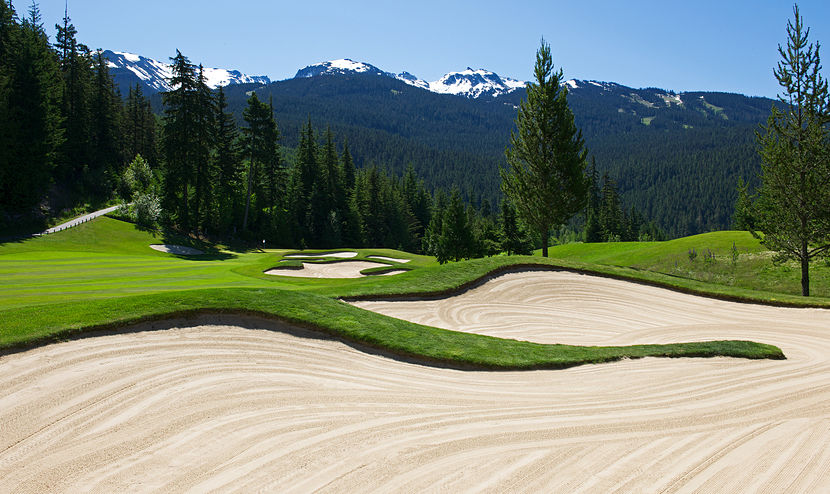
[(336, 269), (245, 405)]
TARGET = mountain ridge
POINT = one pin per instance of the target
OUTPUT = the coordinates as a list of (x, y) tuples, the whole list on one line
[(128, 69)]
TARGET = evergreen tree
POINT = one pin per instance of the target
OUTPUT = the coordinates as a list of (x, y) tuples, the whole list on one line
[(228, 167), (593, 229), (352, 225), (260, 141), (139, 126), (203, 107), (794, 198), (347, 164), (334, 193), (432, 237), (179, 141), (9, 42), (76, 153), (611, 217), (32, 131), (744, 217), (545, 178), (456, 241), (106, 160), (514, 239)]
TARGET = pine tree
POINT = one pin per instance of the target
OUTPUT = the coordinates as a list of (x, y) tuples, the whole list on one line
[(106, 160), (139, 126), (9, 46), (203, 107), (794, 198), (76, 65), (514, 239), (432, 237), (228, 166), (611, 217), (179, 146), (545, 179), (593, 229), (352, 224), (456, 239), (334, 192), (744, 216), (32, 128)]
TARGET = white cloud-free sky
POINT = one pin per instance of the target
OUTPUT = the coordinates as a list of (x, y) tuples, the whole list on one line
[(725, 45)]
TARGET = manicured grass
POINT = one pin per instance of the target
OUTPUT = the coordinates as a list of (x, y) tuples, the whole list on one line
[(103, 274)]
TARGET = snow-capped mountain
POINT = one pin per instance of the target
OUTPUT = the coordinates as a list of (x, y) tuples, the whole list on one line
[(470, 83), (130, 68), (475, 84), (335, 67)]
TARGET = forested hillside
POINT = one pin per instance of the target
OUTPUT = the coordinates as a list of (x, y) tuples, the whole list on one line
[(676, 158)]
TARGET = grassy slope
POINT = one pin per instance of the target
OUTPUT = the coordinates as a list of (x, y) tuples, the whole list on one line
[(103, 274), (752, 275)]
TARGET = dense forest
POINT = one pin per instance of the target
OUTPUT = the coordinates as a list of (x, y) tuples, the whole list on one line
[(677, 164)]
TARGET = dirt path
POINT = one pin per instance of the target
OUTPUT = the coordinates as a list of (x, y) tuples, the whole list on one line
[(245, 405)]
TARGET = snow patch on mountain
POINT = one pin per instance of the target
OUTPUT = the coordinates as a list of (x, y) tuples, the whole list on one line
[(156, 74), (412, 80)]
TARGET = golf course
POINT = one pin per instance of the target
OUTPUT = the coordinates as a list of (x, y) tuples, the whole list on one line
[(125, 367)]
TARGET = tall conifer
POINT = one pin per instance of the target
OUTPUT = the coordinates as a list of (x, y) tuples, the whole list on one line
[(546, 158)]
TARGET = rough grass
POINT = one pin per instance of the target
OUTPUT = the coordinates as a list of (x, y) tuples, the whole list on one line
[(751, 271), (103, 274)]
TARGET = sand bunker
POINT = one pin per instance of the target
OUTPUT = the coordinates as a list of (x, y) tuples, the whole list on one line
[(383, 258), (248, 405), (571, 308), (345, 269), (179, 250), (340, 255)]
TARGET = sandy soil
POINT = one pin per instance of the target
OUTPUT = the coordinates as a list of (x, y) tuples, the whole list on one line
[(384, 258), (346, 269), (179, 250), (340, 255), (246, 405)]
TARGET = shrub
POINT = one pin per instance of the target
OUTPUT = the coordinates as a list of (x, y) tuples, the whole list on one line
[(146, 209)]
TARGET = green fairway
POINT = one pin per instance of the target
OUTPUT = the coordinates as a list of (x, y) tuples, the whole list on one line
[(104, 274)]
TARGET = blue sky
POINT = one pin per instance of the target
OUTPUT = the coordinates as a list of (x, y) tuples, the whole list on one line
[(726, 45)]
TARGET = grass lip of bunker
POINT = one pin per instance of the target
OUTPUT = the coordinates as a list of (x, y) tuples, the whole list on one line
[(179, 250)]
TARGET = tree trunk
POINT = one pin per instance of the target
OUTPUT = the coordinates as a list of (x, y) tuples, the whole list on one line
[(805, 271), (545, 237)]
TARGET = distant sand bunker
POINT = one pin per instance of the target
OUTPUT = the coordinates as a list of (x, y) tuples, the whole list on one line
[(340, 255), (179, 250), (344, 269), (393, 259)]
